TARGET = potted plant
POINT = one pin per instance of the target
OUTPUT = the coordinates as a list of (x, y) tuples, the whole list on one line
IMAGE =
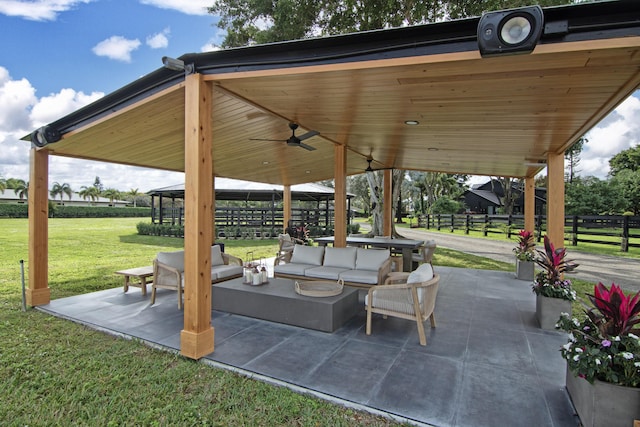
[(603, 359), (554, 294), (525, 255)]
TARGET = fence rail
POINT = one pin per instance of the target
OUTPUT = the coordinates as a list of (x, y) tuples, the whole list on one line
[(616, 230)]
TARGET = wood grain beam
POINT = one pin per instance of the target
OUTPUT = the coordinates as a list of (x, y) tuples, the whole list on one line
[(529, 204), (38, 292), (340, 202), (555, 199)]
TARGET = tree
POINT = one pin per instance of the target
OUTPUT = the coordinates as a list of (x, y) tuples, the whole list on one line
[(89, 193), (20, 187), (98, 184), (508, 195), (133, 193), (111, 194), (60, 190), (627, 159), (3, 185), (627, 181), (572, 156), (446, 205), (591, 196)]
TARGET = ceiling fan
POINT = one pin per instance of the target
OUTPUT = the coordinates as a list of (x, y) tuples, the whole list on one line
[(294, 141), (370, 169)]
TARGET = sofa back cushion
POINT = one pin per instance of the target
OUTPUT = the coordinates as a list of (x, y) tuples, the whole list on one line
[(172, 259), (216, 256), (340, 257), (371, 259), (310, 255)]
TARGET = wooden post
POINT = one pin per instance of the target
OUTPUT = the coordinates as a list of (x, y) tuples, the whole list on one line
[(197, 337), (555, 199), (387, 224), (286, 202), (38, 292), (340, 197), (529, 204)]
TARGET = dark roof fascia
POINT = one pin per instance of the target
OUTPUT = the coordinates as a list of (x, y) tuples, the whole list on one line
[(588, 21)]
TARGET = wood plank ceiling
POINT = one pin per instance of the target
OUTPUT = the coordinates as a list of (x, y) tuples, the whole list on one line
[(485, 116)]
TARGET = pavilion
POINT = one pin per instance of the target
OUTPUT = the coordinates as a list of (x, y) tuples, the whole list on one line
[(456, 97)]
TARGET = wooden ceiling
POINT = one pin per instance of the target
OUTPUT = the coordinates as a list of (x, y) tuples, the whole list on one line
[(497, 116)]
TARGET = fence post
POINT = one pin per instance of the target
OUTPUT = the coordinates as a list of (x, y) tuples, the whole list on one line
[(466, 225), (485, 229), (453, 222), (574, 231), (625, 234), (539, 227), (438, 216), (509, 223)]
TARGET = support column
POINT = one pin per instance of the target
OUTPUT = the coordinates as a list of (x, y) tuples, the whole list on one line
[(555, 199), (38, 292), (197, 337), (340, 197), (529, 204), (286, 207), (387, 205)]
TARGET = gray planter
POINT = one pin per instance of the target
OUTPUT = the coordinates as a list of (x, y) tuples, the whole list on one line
[(548, 311), (524, 270), (603, 404)]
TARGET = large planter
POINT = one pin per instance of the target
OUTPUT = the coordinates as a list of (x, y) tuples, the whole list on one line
[(548, 311), (524, 270), (603, 404)]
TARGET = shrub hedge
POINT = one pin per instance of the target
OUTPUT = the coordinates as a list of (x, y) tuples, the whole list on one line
[(56, 211)]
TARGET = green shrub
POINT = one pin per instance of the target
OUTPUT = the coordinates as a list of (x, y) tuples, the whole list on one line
[(21, 210), (150, 229)]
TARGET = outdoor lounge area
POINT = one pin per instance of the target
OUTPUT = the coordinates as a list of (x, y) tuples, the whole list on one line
[(486, 362)]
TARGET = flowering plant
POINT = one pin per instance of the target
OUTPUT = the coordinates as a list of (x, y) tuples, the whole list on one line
[(605, 345), (524, 250), (549, 281)]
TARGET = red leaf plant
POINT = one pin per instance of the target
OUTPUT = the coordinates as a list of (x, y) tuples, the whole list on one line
[(617, 313)]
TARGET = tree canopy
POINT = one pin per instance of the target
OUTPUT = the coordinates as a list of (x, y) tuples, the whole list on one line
[(627, 159)]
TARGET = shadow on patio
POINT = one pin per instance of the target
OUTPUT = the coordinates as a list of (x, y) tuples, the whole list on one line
[(487, 363)]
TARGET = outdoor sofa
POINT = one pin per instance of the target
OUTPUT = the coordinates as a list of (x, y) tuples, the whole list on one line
[(355, 266), (168, 270)]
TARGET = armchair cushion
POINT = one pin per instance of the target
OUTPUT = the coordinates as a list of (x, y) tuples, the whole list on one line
[(311, 255), (421, 274), (344, 258), (172, 259), (369, 259), (216, 255)]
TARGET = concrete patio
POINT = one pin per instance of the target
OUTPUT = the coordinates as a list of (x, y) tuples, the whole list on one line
[(487, 363)]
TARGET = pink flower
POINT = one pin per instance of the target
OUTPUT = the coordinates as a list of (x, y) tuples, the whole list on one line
[(606, 343)]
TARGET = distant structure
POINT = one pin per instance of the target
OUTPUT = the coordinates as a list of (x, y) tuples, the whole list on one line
[(9, 196), (486, 198)]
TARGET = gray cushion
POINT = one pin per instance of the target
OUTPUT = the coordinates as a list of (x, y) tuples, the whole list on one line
[(216, 256), (330, 273), (311, 255), (368, 277), (172, 259), (293, 269), (371, 259), (340, 257), (220, 272), (421, 274)]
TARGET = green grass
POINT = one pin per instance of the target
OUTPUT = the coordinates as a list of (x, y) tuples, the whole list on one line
[(56, 372)]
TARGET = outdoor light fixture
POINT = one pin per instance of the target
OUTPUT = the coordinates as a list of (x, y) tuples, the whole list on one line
[(177, 65), (45, 135), (411, 122), (510, 31)]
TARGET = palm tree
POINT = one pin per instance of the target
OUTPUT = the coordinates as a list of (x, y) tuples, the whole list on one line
[(61, 189), (111, 194), (89, 193), (20, 187), (3, 185), (134, 193)]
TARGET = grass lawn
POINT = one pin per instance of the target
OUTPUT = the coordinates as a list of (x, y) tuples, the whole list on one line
[(55, 372)]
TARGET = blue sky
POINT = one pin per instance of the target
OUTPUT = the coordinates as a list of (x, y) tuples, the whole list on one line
[(58, 55)]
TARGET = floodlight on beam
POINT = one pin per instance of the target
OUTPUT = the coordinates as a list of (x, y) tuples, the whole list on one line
[(513, 31), (177, 65)]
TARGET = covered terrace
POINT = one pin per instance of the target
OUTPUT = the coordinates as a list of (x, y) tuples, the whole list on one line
[(414, 98)]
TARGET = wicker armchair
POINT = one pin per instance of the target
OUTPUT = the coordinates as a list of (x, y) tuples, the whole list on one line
[(401, 297)]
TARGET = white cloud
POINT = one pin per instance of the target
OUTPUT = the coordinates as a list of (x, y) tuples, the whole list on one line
[(116, 47), (159, 40), (38, 10), (617, 132), (191, 7), (16, 98), (57, 105)]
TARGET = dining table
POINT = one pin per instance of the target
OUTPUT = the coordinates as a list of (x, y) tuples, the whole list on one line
[(404, 246)]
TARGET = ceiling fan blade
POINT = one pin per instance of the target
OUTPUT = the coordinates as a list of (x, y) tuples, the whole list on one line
[(308, 135), (307, 147)]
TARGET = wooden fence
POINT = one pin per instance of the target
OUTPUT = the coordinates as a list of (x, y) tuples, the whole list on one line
[(617, 230)]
